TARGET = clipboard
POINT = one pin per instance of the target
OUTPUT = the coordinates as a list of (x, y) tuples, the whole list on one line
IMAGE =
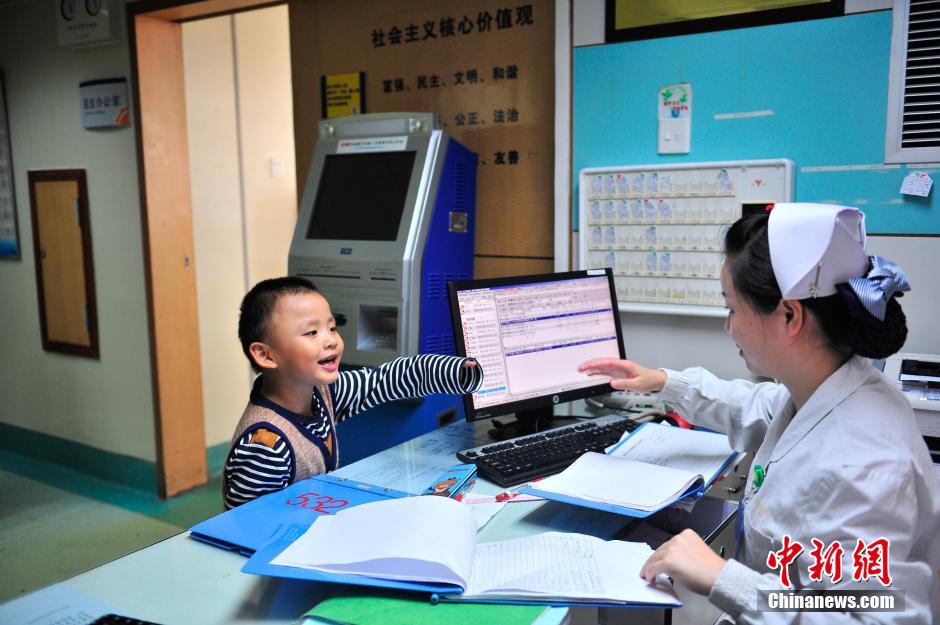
[(248, 527)]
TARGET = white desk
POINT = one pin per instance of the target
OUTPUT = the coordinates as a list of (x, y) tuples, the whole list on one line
[(182, 581)]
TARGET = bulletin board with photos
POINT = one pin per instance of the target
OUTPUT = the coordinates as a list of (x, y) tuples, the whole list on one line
[(9, 229), (661, 228)]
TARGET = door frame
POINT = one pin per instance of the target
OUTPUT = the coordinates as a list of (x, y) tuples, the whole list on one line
[(154, 29)]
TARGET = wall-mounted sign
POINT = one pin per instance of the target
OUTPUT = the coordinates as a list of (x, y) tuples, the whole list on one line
[(104, 103), (630, 20), (675, 118), (343, 94), (81, 22), (385, 144)]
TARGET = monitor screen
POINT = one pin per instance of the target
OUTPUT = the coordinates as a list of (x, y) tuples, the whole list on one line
[(529, 335), (361, 197)]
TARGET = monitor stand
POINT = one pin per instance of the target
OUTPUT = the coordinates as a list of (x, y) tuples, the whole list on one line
[(527, 422)]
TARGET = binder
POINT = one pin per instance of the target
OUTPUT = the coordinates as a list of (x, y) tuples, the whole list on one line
[(261, 564), (246, 528), (696, 491)]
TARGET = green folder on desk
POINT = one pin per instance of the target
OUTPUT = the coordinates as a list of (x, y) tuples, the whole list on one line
[(355, 606)]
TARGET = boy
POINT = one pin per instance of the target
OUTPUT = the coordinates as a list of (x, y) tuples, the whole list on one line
[(289, 335)]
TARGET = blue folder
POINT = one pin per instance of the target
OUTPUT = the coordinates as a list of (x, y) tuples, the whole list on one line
[(249, 526), (260, 564), (697, 490)]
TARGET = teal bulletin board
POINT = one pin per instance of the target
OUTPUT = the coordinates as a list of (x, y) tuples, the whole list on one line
[(825, 80)]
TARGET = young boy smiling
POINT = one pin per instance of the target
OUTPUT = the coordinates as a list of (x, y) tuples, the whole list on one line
[(287, 432)]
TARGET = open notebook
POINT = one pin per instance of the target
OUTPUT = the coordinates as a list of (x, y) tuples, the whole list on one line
[(649, 469), (429, 544)]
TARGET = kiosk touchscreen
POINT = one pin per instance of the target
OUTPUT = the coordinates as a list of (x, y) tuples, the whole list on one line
[(386, 219)]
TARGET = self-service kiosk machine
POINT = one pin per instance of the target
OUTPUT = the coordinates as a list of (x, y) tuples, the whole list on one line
[(386, 220)]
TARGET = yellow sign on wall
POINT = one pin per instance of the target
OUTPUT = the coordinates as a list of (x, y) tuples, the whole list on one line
[(342, 94)]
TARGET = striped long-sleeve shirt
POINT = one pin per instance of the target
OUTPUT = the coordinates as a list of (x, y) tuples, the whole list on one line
[(262, 461)]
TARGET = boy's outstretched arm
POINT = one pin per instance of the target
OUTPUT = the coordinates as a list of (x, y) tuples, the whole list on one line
[(403, 378)]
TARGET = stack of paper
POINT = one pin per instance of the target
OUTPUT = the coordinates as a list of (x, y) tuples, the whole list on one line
[(621, 482)]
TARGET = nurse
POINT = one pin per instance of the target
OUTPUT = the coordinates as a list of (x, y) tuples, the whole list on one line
[(837, 454)]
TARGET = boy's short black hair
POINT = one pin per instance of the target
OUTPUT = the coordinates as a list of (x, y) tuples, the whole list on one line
[(258, 306)]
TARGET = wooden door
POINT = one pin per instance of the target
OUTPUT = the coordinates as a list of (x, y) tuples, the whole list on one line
[(64, 268)]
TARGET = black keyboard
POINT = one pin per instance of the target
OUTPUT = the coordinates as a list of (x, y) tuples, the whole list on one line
[(525, 458)]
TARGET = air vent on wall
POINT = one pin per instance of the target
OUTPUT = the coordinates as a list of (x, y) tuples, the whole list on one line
[(460, 187), (913, 124)]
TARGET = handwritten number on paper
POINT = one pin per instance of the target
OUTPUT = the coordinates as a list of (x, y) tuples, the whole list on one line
[(324, 504)]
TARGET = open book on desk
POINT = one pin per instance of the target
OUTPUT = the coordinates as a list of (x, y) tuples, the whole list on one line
[(653, 467), (428, 544)]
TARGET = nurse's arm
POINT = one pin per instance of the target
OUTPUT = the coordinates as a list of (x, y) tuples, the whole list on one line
[(739, 408)]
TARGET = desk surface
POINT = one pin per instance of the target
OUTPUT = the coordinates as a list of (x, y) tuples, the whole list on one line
[(181, 580)]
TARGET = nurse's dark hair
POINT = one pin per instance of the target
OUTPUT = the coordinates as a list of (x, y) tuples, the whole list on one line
[(846, 326), (254, 319)]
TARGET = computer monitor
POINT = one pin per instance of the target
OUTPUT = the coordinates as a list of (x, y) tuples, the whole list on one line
[(529, 334)]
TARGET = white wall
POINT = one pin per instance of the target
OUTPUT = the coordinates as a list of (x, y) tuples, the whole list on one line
[(919, 257), (218, 229), (240, 119), (106, 403), (266, 112), (587, 22)]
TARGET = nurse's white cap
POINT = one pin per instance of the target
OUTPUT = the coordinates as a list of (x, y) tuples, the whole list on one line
[(814, 247)]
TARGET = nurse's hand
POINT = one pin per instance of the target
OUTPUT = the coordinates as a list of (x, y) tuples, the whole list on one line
[(626, 375), (687, 559)]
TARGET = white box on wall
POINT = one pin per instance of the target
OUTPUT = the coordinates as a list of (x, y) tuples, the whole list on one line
[(87, 22), (661, 227)]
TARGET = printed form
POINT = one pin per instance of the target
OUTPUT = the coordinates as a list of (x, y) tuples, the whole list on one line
[(574, 567), (695, 451)]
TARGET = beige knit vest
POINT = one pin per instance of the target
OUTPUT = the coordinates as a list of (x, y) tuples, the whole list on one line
[(308, 459)]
